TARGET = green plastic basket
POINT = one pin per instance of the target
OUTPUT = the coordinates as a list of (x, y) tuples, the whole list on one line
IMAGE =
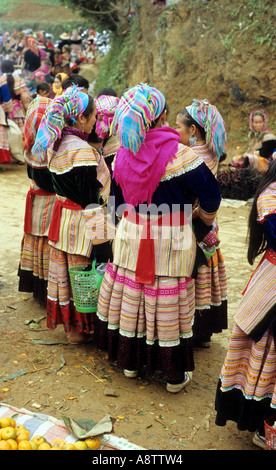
[(85, 287)]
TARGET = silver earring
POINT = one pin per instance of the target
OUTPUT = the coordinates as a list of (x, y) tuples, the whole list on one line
[(192, 140)]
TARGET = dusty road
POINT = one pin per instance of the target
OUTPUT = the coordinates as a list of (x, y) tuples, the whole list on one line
[(145, 413)]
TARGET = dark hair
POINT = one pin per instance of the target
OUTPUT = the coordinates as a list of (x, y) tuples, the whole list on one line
[(42, 86), (153, 124), (93, 136), (107, 92), (8, 68), (189, 121), (256, 240), (49, 78), (88, 110), (77, 79)]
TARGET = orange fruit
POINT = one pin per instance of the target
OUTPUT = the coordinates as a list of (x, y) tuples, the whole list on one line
[(8, 433), (4, 422), (19, 428), (93, 443), (23, 436), (69, 446), (13, 422), (24, 445), (38, 440), (13, 443), (34, 445), (44, 446), (5, 445), (58, 443), (80, 445)]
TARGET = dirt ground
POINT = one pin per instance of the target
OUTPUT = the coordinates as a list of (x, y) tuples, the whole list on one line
[(145, 413)]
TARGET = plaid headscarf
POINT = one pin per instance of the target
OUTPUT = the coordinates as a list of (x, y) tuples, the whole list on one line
[(208, 117), (106, 106), (137, 109), (34, 114), (71, 103)]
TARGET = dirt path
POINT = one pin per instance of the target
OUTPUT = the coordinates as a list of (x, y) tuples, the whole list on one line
[(145, 413)]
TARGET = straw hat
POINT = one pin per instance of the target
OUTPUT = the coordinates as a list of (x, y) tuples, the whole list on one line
[(65, 36)]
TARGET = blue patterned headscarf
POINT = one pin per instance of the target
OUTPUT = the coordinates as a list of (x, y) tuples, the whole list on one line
[(137, 109), (208, 117), (68, 105)]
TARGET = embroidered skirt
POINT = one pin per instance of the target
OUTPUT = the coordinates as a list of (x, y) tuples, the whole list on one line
[(146, 325), (60, 304), (34, 265), (210, 298), (5, 156), (246, 392)]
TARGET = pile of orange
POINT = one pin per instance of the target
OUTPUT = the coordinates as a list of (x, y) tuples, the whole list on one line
[(16, 437)]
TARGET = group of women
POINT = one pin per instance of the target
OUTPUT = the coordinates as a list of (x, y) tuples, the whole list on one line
[(164, 289)]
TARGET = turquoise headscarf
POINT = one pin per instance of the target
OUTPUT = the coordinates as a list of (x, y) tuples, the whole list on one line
[(208, 117), (137, 109)]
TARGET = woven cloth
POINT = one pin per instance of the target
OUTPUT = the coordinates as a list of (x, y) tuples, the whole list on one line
[(138, 108), (71, 103)]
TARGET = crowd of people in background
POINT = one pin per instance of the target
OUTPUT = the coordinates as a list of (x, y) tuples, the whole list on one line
[(164, 289)]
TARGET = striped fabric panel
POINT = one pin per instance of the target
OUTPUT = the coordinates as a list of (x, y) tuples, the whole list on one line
[(42, 211), (59, 288), (266, 203), (172, 257), (4, 137), (260, 163), (259, 297), (111, 146), (73, 152), (203, 151), (184, 161), (211, 283), (250, 366), (163, 311), (35, 252), (73, 238)]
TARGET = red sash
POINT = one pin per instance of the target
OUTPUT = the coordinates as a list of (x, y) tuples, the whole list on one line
[(29, 206), (145, 267), (55, 221)]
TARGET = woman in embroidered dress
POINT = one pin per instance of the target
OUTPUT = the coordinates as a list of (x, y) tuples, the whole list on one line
[(146, 301), (40, 201), (258, 131), (202, 128), (246, 392), (19, 93), (5, 108), (80, 177)]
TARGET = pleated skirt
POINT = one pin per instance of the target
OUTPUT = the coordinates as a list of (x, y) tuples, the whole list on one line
[(34, 266), (60, 303), (146, 325), (246, 392), (211, 298)]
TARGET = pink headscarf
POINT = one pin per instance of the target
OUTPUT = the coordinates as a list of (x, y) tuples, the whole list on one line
[(139, 174), (106, 106)]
